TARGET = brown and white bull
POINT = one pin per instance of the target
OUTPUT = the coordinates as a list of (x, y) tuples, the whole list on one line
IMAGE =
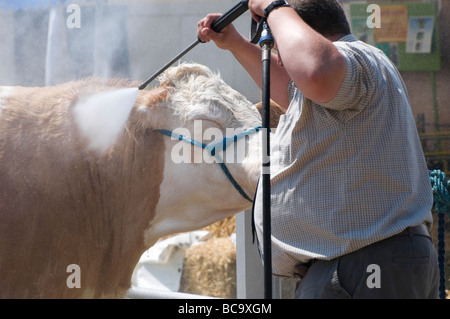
[(62, 203)]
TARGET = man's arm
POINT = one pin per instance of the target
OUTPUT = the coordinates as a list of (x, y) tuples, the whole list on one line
[(304, 56), (248, 55), (311, 60)]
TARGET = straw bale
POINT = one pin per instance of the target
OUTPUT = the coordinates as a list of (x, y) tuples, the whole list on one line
[(222, 228), (210, 269)]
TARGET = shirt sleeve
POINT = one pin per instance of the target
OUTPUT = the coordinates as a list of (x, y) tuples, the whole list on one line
[(359, 82)]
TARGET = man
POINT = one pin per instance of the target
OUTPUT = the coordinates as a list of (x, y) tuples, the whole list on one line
[(351, 197)]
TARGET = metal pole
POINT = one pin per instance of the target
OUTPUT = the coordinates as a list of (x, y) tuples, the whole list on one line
[(266, 43), (168, 64)]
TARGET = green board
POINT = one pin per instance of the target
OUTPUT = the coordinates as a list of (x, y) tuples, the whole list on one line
[(406, 60)]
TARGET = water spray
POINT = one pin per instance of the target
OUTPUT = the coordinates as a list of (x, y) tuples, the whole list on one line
[(101, 116)]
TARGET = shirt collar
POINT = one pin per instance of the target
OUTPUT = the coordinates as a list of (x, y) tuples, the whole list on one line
[(348, 38)]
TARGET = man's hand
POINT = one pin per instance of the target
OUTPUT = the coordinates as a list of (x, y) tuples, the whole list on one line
[(225, 39), (257, 7)]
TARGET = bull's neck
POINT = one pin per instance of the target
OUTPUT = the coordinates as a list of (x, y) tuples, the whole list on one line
[(124, 188)]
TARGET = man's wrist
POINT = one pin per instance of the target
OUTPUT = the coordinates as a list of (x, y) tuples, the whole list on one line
[(274, 5), (240, 44)]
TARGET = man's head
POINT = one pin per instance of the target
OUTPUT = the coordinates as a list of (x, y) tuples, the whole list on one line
[(325, 16)]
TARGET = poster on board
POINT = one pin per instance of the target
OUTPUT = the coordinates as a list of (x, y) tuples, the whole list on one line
[(420, 34), (408, 33), (394, 22)]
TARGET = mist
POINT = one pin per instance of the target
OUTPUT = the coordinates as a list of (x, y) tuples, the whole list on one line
[(48, 42)]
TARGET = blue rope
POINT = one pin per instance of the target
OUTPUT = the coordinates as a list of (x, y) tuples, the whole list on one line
[(211, 148), (441, 191), (441, 197)]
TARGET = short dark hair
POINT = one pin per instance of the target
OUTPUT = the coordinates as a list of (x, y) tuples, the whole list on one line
[(325, 16)]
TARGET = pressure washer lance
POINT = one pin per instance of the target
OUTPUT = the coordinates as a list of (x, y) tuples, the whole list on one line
[(217, 26)]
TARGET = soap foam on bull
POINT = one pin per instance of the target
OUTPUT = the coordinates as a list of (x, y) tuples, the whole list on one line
[(101, 116)]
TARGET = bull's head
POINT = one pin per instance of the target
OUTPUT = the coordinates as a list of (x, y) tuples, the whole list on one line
[(196, 106)]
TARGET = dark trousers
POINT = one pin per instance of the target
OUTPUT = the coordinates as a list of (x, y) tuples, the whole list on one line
[(397, 267)]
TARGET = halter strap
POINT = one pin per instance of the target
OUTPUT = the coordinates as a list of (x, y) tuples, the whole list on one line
[(211, 148)]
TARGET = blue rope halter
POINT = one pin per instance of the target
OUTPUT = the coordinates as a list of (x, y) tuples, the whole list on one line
[(211, 148)]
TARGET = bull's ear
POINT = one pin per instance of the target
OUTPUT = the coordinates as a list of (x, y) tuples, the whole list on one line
[(156, 95), (150, 109), (275, 112)]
